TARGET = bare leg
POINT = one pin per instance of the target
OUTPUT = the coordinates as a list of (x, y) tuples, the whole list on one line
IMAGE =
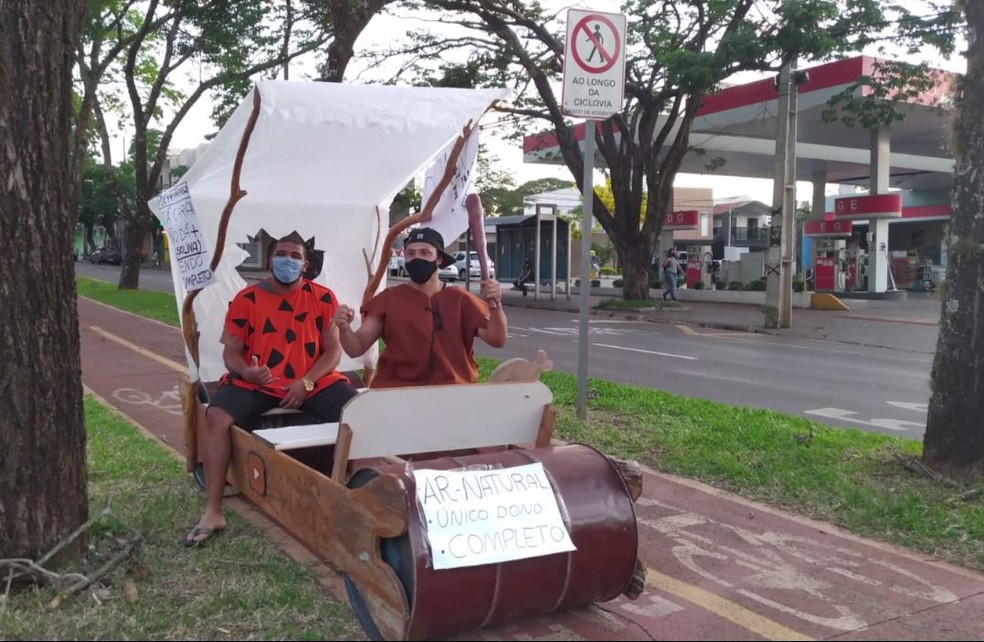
[(216, 462)]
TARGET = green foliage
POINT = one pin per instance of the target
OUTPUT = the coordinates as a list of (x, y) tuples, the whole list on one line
[(495, 185), (736, 285), (758, 285), (97, 205), (627, 304), (603, 252)]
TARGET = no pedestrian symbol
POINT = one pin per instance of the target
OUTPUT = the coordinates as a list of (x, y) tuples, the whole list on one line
[(594, 64), (597, 35)]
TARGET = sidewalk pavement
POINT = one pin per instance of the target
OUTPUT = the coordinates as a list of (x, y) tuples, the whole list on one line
[(910, 324), (718, 566)]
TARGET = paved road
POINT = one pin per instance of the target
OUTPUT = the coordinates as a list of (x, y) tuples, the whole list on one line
[(854, 386), (859, 387), (150, 279)]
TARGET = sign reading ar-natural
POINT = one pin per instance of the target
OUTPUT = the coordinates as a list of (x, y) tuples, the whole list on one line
[(594, 64), (475, 517)]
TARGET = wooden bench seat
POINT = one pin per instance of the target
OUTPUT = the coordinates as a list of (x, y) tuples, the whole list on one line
[(304, 436)]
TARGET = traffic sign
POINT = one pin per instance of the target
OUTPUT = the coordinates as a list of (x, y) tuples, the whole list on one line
[(594, 64)]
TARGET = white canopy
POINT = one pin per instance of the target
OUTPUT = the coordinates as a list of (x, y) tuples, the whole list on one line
[(324, 159)]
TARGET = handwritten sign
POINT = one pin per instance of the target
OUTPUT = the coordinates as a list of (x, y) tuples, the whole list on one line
[(191, 254), (476, 517), (450, 217)]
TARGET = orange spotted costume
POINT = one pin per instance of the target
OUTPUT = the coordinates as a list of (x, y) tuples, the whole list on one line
[(284, 333)]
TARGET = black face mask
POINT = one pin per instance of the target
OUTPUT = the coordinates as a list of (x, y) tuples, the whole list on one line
[(420, 270)]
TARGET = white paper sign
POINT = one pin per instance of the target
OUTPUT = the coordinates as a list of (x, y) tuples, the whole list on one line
[(190, 252), (450, 217), (476, 517)]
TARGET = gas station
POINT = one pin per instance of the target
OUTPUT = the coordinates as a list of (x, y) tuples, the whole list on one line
[(884, 232)]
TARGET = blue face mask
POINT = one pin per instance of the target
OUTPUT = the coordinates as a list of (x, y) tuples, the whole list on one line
[(286, 269)]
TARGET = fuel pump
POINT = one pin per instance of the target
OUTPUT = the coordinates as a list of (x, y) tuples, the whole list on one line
[(855, 268), (825, 265), (695, 265)]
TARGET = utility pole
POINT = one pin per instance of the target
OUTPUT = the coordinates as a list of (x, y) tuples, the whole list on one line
[(779, 264)]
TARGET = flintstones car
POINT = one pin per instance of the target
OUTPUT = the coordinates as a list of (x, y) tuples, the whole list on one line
[(446, 509)]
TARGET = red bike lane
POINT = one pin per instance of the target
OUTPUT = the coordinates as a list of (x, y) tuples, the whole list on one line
[(719, 567)]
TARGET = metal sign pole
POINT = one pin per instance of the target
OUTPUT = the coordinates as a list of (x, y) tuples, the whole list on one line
[(586, 226)]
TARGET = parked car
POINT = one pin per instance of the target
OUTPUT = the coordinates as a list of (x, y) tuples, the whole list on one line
[(449, 273), (104, 255), (474, 266), (397, 265)]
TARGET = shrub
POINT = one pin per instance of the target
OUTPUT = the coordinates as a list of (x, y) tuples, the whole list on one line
[(608, 271), (699, 285), (617, 283), (758, 286), (735, 285), (656, 283), (798, 285), (595, 283)]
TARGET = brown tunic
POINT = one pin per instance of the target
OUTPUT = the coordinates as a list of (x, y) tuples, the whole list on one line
[(428, 339)]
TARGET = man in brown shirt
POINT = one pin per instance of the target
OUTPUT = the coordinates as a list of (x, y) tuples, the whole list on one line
[(429, 328)]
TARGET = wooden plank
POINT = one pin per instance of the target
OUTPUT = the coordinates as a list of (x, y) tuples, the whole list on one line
[(189, 409), (399, 421), (546, 430), (342, 525), (343, 446)]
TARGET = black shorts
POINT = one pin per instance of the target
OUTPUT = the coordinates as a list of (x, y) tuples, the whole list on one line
[(246, 406)]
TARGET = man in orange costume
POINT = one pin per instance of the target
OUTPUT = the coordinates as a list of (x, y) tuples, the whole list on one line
[(281, 349), (429, 328)]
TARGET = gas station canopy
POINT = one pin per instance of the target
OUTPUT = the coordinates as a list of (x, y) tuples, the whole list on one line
[(738, 125)]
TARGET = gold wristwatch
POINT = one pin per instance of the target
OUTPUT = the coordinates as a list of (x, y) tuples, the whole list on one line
[(308, 384)]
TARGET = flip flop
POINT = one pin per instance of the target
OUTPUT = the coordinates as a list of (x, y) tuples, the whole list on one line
[(194, 537)]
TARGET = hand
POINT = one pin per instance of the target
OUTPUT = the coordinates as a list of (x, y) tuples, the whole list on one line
[(344, 316), (256, 373), (296, 394), (492, 292)]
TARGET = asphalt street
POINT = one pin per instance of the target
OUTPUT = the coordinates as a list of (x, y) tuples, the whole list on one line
[(854, 386)]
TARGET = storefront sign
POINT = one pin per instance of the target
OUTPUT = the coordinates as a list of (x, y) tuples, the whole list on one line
[(870, 206), (828, 228), (683, 220)]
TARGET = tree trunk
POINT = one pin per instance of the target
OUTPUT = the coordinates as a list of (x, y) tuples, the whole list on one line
[(43, 494), (349, 19), (130, 256), (635, 259), (89, 243), (954, 440)]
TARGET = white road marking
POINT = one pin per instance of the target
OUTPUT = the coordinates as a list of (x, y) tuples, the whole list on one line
[(910, 405), (877, 422), (660, 354)]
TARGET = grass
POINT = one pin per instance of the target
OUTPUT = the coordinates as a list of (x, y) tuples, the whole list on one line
[(154, 305), (853, 479), (243, 588)]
